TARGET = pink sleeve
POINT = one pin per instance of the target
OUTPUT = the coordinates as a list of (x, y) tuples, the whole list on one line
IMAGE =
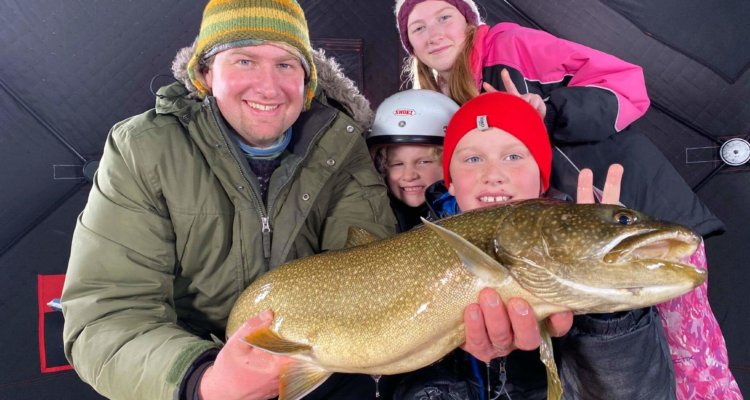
[(698, 349), (542, 57)]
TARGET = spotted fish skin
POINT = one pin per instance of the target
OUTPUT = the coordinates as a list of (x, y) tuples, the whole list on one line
[(366, 309), (395, 305)]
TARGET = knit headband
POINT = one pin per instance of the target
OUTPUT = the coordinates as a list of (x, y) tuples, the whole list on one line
[(509, 113), (234, 23), (403, 8)]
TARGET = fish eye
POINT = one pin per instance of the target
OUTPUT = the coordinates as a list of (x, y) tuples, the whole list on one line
[(624, 218)]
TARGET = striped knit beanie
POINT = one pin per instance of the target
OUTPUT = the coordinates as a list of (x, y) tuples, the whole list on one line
[(403, 8), (509, 113), (237, 23)]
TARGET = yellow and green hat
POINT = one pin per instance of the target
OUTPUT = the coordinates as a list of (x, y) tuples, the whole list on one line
[(235, 23)]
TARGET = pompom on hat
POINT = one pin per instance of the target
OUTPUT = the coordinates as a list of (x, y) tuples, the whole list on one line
[(503, 111), (403, 8), (236, 23)]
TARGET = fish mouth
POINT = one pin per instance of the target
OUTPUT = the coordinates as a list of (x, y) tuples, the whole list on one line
[(661, 245)]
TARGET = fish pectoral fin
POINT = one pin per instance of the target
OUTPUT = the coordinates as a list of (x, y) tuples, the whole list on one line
[(358, 236), (505, 257), (474, 259), (299, 379), (544, 283), (270, 341), (554, 386)]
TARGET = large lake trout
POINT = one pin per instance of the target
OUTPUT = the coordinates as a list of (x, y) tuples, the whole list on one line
[(389, 306)]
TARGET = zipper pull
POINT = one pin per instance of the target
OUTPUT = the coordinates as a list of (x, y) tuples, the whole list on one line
[(502, 379), (266, 231)]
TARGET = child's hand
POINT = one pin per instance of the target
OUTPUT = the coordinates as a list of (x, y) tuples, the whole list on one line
[(534, 99), (611, 192), (493, 330)]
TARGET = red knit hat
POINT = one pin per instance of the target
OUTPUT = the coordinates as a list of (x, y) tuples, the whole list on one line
[(509, 113), (403, 8)]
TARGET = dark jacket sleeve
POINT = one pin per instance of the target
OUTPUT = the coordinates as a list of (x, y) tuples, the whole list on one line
[(623, 355), (650, 184), (191, 383)]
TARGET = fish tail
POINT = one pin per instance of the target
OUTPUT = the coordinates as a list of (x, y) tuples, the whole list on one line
[(298, 379)]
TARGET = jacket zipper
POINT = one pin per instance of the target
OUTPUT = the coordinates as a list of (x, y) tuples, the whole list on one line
[(272, 197), (265, 220), (266, 232)]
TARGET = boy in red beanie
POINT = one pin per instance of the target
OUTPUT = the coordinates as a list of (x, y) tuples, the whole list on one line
[(496, 150)]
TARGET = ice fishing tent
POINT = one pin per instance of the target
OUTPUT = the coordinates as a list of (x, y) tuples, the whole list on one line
[(72, 68)]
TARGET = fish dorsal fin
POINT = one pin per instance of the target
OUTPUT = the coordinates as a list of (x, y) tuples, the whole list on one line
[(270, 341), (358, 236), (474, 259), (300, 378)]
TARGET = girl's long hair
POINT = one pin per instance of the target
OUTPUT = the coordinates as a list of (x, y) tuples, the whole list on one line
[(461, 84)]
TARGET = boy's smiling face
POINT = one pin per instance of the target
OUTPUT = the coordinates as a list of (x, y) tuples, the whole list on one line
[(492, 167), (410, 169)]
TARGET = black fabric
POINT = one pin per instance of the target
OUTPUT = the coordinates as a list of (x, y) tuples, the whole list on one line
[(53, 323), (436, 382), (355, 387), (650, 183), (191, 383), (263, 169), (710, 32), (53, 346), (595, 359), (407, 217), (519, 376), (592, 377), (36, 253)]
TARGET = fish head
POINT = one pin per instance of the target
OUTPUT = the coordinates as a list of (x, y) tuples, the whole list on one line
[(620, 256)]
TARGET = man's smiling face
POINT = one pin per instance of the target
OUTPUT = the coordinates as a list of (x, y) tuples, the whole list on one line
[(259, 91)]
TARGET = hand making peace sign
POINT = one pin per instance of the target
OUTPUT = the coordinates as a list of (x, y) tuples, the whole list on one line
[(534, 99)]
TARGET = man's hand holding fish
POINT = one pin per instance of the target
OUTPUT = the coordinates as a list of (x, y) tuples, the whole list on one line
[(252, 370)]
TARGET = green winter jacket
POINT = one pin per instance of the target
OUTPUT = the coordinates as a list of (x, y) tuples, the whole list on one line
[(174, 230)]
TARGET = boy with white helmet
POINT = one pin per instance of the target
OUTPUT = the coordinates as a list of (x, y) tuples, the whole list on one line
[(406, 143)]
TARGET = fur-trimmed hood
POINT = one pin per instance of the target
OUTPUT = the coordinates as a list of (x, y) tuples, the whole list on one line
[(331, 81)]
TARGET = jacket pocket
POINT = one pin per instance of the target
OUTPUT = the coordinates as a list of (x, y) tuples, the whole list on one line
[(373, 190)]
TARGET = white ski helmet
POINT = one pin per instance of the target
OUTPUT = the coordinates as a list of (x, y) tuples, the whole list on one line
[(414, 116)]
